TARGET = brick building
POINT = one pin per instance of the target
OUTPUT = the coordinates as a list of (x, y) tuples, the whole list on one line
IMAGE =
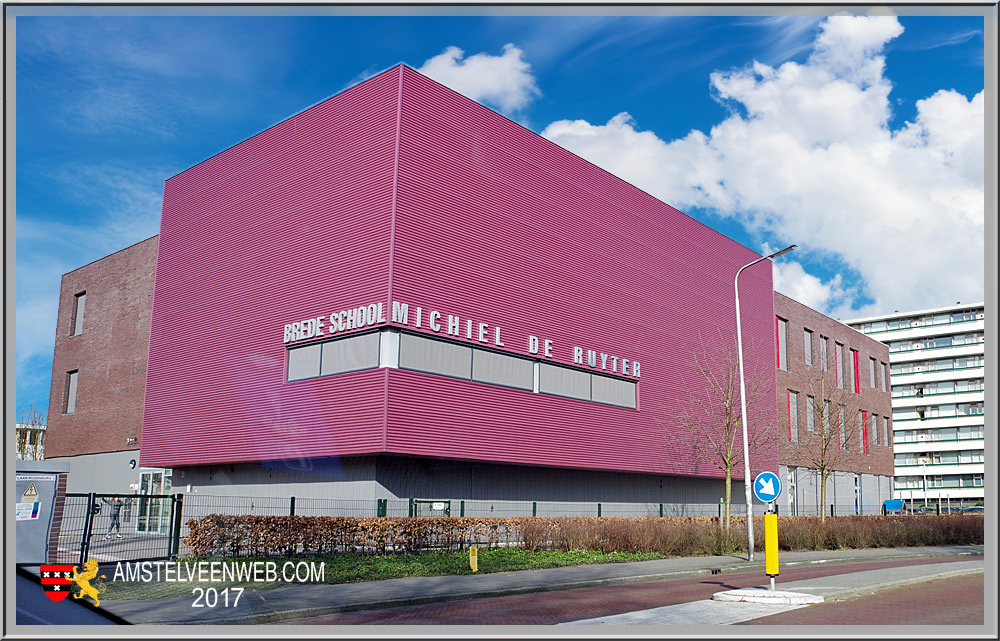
[(99, 368), (834, 377)]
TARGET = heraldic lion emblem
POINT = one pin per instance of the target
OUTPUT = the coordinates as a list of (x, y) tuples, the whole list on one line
[(83, 582)]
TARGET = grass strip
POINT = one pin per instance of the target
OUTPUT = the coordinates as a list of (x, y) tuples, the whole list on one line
[(354, 568)]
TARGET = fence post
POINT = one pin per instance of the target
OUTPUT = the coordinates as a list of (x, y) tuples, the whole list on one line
[(88, 525), (382, 507), (534, 508), (661, 510), (411, 508), (177, 510), (598, 510), (461, 508), (833, 511), (291, 507)]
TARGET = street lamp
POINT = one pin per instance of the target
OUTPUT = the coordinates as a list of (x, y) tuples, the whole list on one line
[(743, 400)]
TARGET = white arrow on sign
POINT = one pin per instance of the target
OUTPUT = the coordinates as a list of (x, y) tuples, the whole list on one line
[(767, 486)]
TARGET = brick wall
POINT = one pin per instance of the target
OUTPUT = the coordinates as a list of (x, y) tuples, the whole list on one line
[(812, 380), (110, 354)]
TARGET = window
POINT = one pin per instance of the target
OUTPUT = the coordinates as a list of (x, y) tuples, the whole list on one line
[(793, 416), (810, 414), (855, 377), (303, 362), (613, 391), (871, 373), (563, 381), (333, 357), (884, 378), (863, 431), (500, 369), (807, 338), (842, 425), (824, 346), (434, 357), (350, 354), (838, 358), (782, 338), (826, 418), (71, 381), (873, 432), (887, 432), (79, 303)]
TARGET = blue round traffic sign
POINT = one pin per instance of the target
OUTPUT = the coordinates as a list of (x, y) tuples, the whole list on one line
[(767, 486)]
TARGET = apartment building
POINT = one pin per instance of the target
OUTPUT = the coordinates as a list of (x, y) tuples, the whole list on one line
[(937, 374)]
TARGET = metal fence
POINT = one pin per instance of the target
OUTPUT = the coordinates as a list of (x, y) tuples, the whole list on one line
[(118, 527), (115, 527)]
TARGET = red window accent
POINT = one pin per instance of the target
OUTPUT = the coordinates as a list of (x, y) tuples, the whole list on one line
[(857, 375), (777, 343), (864, 422)]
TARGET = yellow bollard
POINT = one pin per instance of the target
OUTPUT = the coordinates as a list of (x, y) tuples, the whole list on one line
[(474, 559), (771, 546)]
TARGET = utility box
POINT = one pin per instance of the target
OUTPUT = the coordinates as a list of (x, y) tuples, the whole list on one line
[(40, 494)]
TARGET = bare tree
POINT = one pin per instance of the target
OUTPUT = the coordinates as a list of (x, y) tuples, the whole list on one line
[(29, 434), (714, 419), (836, 441)]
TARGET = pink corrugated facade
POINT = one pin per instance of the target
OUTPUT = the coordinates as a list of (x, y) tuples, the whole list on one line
[(400, 189)]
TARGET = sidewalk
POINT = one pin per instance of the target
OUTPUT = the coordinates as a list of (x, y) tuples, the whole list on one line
[(299, 601), (841, 586)]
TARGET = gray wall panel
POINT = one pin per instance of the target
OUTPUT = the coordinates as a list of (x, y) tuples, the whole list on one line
[(108, 472)]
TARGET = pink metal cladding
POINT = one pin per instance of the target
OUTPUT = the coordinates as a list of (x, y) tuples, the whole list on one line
[(487, 221)]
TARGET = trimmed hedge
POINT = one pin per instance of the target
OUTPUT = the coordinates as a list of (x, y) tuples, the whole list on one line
[(253, 535)]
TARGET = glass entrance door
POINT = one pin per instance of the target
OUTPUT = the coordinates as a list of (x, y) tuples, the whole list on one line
[(154, 514)]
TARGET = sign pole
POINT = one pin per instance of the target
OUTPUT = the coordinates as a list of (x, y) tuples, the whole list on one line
[(771, 543), (767, 488)]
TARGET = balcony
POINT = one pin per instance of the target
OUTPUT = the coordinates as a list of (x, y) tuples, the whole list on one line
[(938, 445), (913, 423), (945, 398), (923, 331), (946, 351), (938, 469), (934, 375)]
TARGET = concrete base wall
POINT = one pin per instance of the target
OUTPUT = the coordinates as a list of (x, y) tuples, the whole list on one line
[(108, 472), (395, 477), (840, 492)]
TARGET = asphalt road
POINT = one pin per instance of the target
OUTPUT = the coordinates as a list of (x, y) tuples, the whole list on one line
[(546, 608), (953, 601)]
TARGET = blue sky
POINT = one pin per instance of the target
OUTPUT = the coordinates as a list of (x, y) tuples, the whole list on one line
[(859, 139)]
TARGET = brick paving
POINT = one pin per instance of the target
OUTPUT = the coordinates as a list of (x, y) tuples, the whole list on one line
[(951, 601), (544, 608)]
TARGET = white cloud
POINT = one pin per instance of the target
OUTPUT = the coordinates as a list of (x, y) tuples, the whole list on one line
[(504, 81), (792, 280), (131, 202), (807, 157)]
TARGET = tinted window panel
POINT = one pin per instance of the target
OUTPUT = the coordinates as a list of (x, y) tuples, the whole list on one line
[(349, 354), (303, 362), (490, 367), (435, 357), (613, 391), (563, 381)]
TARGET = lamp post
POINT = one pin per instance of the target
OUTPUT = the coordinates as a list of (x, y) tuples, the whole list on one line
[(743, 400)]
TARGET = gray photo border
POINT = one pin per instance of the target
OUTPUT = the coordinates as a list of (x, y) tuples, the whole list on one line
[(987, 11)]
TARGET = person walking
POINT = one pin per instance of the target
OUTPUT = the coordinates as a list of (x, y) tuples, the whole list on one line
[(116, 512)]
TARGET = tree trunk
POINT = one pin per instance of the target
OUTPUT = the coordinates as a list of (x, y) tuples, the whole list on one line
[(729, 495), (822, 497)]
